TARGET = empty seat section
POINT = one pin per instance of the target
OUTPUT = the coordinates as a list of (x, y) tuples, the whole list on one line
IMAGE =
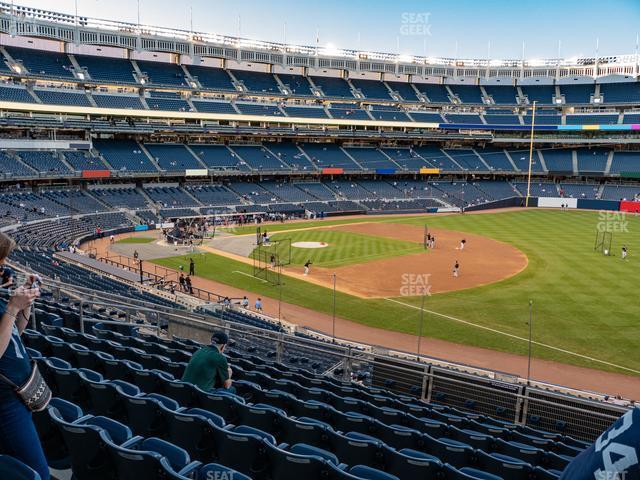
[(258, 82), (333, 87), (467, 93), (43, 63), (107, 69), (296, 84), (291, 155), (218, 157), (405, 90), (160, 73), (173, 157), (328, 155), (543, 94), (373, 89), (259, 158), (124, 155), (212, 77), (434, 92)]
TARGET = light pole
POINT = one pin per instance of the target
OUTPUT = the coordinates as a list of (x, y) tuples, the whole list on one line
[(530, 335), (421, 324), (334, 308)]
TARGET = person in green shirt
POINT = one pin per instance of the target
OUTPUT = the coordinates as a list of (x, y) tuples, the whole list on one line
[(208, 367)]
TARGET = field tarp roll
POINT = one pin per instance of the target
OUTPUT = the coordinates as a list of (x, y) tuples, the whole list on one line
[(555, 202)]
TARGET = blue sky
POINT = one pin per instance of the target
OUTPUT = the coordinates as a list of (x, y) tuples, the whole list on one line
[(433, 27)]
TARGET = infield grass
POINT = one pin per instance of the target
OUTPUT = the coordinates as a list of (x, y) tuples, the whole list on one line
[(136, 240), (343, 248), (583, 302)]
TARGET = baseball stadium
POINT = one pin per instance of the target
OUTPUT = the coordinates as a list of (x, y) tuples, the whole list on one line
[(231, 258)]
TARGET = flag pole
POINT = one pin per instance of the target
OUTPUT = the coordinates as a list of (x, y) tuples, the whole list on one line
[(533, 122)]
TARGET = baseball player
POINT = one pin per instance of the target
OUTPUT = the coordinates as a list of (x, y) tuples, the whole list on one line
[(456, 269), (462, 244), (624, 253), (307, 267)]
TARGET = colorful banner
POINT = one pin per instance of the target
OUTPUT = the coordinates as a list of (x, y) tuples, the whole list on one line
[(96, 173), (430, 171), (332, 171)]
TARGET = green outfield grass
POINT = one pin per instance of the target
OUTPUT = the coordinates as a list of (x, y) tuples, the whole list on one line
[(582, 301), (136, 240), (344, 248)]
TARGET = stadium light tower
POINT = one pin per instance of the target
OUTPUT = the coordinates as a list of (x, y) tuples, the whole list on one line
[(533, 122)]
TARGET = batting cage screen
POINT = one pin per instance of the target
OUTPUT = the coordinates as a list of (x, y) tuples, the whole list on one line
[(269, 258), (603, 242)]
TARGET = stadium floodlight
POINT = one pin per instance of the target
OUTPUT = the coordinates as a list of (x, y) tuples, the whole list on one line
[(330, 50), (535, 62)]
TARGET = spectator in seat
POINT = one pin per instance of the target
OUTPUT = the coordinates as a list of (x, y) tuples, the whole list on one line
[(18, 435), (208, 367)]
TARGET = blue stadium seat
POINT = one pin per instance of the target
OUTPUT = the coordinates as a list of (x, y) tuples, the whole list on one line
[(86, 441), (11, 468), (55, 449), (151, 458)]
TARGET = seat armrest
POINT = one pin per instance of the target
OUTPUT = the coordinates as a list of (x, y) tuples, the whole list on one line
[(190, 468), (132, 442)]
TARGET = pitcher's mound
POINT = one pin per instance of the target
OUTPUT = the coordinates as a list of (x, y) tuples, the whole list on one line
[(310, 244)]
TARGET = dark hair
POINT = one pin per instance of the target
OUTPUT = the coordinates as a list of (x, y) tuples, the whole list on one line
[(219, 338)]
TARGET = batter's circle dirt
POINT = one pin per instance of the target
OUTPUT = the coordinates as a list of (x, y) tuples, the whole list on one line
[(482, 261)]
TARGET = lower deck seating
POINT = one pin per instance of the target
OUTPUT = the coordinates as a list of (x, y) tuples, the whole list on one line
[(280, 424)]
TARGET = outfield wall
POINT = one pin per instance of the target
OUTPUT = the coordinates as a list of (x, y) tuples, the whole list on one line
[(555, 202), (598, 205), (632, 207)]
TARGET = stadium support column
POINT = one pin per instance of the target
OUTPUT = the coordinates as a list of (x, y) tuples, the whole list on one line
[(533, 122)]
